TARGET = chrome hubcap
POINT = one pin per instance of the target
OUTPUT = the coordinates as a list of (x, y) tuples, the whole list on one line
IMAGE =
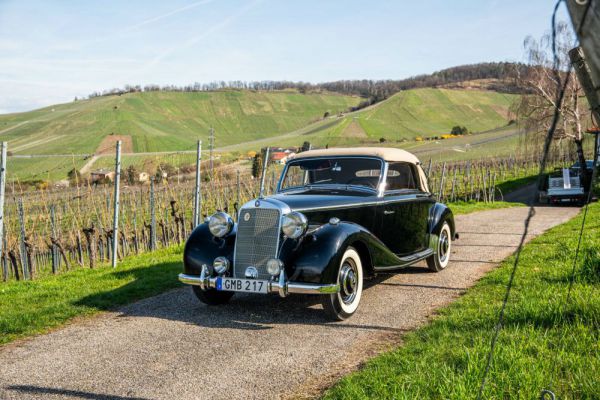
[(444, 245), (348, 281)]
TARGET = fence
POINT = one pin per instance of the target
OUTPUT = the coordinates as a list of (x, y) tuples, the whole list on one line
[(54, 230)]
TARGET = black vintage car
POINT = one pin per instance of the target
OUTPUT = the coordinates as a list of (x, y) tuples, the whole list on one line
[(338, 215)]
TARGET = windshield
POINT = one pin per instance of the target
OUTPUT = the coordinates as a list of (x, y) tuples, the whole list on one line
[(361, 172)]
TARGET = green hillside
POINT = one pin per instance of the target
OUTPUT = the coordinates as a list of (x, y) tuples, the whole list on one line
[(429, 112), (245, 120), (162, 121), (403, 117)]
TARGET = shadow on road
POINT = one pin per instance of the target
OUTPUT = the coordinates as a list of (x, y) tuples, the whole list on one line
[(246, 311), (410, 285), (68, 393)]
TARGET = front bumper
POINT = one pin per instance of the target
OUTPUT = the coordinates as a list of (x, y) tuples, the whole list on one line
[(280, 286)]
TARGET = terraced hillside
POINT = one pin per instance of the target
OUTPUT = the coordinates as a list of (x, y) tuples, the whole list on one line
[(162, 121)]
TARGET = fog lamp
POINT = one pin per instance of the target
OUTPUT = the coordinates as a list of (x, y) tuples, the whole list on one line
[(221, 265), (274, 266)]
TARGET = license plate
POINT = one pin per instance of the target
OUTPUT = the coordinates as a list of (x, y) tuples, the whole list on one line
[(242, 285)]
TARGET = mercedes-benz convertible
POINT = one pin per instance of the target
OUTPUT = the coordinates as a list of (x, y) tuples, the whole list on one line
[(338, 216)]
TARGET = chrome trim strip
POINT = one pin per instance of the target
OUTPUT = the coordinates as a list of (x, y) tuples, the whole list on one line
[(281, 286)]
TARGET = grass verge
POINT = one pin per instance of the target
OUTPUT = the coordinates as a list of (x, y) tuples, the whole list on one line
[(541, 345), (33, 307), (467, 207)]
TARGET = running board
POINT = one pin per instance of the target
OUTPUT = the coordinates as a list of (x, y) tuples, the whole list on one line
[(407, 260)]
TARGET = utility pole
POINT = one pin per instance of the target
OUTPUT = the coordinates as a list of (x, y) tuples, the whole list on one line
[(197, 193), (261, 192), (115, 235), (211, 147), (3, 154), (152, 217)]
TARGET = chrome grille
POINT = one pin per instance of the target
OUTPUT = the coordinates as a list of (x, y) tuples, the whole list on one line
[(257, 240)]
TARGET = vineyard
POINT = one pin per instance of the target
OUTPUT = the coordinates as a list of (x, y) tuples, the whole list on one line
[(51, 231)]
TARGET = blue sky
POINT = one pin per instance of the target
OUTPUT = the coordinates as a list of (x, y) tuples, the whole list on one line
[(52, 51)]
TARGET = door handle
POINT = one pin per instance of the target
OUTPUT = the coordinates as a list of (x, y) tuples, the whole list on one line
[(388, 212)]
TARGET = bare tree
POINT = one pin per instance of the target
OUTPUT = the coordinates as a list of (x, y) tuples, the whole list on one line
[(544, 80)]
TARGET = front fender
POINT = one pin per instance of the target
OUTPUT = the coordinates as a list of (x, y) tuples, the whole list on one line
[(202, 248), (317, 258)]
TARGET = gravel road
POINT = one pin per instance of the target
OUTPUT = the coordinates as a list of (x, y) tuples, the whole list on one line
[(172, 347)]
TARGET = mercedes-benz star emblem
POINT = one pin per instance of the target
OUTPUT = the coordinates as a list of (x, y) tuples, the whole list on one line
[(247, 217), (251, 273), (257, 203)]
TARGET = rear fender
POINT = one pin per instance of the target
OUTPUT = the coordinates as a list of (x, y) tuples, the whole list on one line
[(439, 214)]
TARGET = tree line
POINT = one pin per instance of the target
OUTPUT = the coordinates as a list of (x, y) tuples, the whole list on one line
[(372, 91)]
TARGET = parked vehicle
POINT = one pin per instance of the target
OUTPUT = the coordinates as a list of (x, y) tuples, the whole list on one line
[(338, 216), (564, 186)]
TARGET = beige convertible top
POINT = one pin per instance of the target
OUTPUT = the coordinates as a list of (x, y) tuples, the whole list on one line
[(387, 153)]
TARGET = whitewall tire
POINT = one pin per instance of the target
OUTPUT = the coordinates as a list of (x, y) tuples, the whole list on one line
[(343, 305), (442, 248)]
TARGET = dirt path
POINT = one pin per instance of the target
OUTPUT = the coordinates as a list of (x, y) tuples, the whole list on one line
[(88, 165), (354, 130), (172, 347), (109, 143)]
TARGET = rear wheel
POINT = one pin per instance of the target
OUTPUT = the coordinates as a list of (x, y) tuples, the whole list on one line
[(212, 297), (441, 256), (342, 305)]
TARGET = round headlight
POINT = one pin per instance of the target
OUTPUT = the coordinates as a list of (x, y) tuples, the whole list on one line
[(220, 224), (221, 265), (274, 266), (294, 225)]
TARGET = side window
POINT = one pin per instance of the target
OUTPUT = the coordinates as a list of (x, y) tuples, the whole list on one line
[(401, 176)]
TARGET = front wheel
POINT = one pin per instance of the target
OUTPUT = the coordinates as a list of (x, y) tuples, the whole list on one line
[(342, 305), (212, 297), (441, 252)]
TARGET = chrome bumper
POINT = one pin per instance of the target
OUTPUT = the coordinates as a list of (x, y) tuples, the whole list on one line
[(280, 286)]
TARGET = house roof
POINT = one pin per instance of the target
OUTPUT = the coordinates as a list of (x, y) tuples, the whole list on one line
[(387, 153)]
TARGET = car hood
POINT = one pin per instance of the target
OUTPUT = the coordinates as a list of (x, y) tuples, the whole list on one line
[(308, 202)]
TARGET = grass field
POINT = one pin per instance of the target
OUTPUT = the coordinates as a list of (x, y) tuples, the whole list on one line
[(541, 344)]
